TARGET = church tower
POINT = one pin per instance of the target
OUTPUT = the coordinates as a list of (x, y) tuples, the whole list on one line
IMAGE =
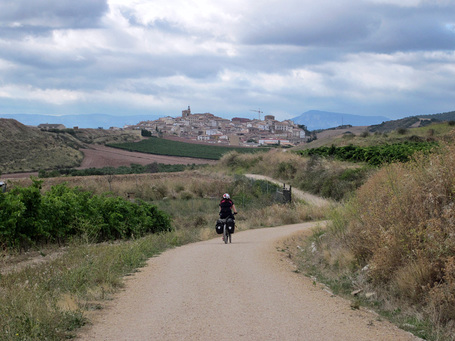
[(186, 113)]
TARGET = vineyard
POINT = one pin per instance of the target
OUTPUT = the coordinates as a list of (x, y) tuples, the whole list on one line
[(28, 217), (372, 155), (160, 146)]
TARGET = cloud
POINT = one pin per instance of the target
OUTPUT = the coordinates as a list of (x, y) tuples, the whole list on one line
[(51, 13), (372, 56)]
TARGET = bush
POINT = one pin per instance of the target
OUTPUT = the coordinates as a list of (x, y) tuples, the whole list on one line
[(28, 217), (402, 224)]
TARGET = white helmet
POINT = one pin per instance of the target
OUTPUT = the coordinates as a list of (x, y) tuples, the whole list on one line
[(226, 196)]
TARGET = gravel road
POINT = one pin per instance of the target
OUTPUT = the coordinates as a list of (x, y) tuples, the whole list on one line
[(241, 291)]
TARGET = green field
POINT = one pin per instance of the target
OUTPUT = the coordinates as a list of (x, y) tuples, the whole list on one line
[(160, 146)]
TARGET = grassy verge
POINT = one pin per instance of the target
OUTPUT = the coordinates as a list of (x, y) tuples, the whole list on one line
[(313, 258), (50, 301), (394, 244)]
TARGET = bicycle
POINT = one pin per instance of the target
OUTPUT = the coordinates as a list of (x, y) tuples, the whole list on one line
[(226, 231), (226, 226)]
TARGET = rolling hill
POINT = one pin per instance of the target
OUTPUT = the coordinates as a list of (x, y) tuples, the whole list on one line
[(25, 149), (412, 122), (93, 121)]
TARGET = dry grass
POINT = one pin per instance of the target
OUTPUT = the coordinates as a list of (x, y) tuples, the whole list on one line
[(278, 214), (154, 186), (396, 238), (323, 177)]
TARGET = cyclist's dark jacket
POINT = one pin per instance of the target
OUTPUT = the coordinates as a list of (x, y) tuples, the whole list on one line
[(226, 206)]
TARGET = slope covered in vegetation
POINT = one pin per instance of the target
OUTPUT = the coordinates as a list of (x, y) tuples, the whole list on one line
[(395, 241), (26, 148)]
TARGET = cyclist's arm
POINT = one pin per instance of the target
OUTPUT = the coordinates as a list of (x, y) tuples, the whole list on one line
[(233, 207)]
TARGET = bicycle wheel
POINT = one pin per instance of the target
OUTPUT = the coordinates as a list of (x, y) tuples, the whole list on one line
[(230, 237), (225, 234)]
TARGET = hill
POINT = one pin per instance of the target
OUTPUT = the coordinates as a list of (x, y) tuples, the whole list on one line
[(26, 149), (315, 119), (82, 121), (412, 122), (362, 136)]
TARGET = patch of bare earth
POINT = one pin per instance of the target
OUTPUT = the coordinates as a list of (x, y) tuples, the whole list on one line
[(98, 156), (11, 263)]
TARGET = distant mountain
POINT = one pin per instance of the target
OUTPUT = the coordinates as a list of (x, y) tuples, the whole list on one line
[(81, 121), (315, 119)]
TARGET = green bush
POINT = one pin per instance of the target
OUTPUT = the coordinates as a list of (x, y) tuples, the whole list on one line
[(28, 217)]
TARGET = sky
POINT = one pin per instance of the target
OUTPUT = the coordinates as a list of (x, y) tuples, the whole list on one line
[(393, 58)]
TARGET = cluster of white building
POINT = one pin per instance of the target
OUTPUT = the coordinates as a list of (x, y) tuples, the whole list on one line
[(238, 131)]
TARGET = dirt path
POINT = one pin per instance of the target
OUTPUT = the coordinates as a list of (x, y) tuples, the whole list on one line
[(241, 291), (309, 198)]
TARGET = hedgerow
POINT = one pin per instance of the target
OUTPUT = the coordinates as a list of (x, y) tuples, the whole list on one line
[(133, 169), (29, 217)]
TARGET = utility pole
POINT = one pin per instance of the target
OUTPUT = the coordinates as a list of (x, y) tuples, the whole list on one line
[(259, 113)]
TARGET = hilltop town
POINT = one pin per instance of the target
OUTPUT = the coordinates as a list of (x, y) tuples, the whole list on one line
[(209, 128)]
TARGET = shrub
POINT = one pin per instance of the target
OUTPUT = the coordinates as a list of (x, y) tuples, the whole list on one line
[(28, 217), (402, 226)]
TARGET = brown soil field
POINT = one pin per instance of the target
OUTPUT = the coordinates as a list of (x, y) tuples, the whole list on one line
[(98, 156)]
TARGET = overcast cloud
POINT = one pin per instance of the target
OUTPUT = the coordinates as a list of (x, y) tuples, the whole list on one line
[(393, 58)]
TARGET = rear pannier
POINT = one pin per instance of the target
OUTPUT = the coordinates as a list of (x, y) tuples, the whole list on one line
[(219, 226), (231, 225)]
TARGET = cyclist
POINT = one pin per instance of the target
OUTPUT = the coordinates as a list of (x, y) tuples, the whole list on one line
[(226, 207)]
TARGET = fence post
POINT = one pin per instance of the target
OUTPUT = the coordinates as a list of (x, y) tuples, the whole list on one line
[(287, 194)]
